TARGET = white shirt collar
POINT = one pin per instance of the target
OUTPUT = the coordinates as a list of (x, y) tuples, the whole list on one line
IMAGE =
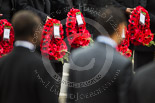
[(107, 40), (25, 44)]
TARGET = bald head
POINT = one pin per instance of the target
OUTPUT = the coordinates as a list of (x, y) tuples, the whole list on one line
[(25, 24)]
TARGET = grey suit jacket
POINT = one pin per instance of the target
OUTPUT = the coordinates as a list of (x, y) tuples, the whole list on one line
[(98, 74)]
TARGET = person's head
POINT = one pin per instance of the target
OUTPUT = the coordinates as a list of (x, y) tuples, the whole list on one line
[(114, 22), (27, 27)]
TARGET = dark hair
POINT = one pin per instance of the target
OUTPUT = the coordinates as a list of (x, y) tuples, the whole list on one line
[(110, 18), (25, 23)]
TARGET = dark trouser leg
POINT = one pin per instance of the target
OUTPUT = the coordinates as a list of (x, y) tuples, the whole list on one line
[(57, 66), (142, 58)]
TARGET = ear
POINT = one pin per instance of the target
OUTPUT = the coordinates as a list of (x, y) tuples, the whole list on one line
[(121, 30)]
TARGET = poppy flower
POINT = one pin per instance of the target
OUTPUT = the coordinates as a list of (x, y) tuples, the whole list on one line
[(78, 35), (6, 45), (51, 47)]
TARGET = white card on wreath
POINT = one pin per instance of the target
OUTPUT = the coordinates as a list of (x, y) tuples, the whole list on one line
[(142, 18), (56, 31), (79, 19), (6, 34)]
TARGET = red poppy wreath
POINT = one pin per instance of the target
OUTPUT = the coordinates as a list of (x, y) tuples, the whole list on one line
[(139, 27), (6, 37), (52, 43), (138, 32), (77, 34)]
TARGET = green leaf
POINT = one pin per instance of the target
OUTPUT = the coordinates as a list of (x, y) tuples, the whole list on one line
[(143, 12), (7, 27), (150, 44), (78, 13), (91, 40), (66, 57), (56, 24), (61, 60)]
